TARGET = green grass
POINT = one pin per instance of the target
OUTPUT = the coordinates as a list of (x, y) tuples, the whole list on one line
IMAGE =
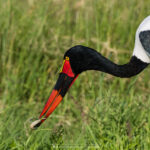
[(99, 111)]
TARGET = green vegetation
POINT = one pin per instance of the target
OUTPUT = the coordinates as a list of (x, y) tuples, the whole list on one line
[(100, 111)]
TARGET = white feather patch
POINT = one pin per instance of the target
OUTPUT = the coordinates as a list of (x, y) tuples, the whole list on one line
[(139, 51)]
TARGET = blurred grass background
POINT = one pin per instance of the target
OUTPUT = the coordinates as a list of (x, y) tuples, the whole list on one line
[(100, 111)]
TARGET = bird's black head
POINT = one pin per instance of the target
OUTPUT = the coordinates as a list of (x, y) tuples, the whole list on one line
[(77, 58), (84, 58)]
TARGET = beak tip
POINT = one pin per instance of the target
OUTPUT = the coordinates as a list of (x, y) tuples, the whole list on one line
[(35, 124)]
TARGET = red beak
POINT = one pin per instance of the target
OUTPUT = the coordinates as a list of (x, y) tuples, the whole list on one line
[(64, 82)]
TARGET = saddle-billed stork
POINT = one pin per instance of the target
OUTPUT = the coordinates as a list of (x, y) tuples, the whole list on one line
[(80, 58)]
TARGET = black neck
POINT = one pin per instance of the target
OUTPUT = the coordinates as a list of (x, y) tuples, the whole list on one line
[(84, 58), (134, 67)]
